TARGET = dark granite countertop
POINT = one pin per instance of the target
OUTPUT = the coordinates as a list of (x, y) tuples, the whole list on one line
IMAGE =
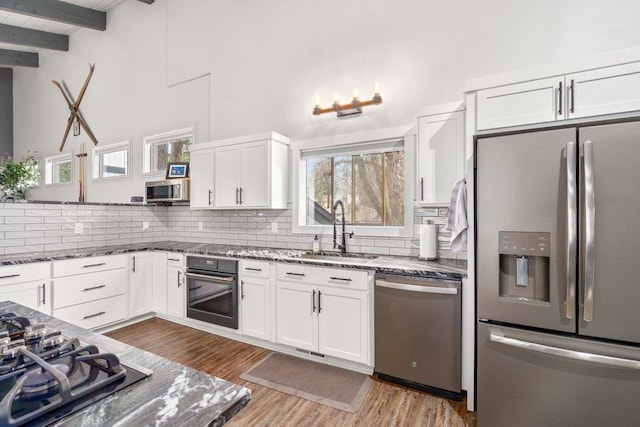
[(442, 268), (173, 395)]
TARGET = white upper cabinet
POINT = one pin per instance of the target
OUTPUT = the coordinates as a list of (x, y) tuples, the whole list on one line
[(529, 102), (201, 170), (606, 90), (246, 173), (440, 155)]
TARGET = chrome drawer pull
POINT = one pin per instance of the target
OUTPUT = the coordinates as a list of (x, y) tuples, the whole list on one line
[(173, 259), (94, 315), (94, 265), (10, 275), (340, 278), (296, 274), (93, 288), (253, 269)]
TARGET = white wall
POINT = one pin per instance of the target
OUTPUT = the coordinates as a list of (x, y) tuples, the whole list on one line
[(250, 66)]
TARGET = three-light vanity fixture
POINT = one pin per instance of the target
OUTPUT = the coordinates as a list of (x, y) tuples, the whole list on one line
[(351, 108)]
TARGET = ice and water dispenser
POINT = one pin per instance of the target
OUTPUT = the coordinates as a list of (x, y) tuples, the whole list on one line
[(524, 265)]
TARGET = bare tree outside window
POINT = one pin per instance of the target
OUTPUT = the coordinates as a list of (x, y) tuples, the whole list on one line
[(371, 187)]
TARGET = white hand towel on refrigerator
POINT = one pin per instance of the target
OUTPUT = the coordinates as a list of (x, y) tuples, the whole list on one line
[(457, 216)]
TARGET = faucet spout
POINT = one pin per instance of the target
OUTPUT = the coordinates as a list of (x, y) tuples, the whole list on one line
[(343, 245)]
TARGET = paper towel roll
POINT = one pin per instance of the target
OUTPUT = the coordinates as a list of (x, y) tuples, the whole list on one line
[(428, 247)]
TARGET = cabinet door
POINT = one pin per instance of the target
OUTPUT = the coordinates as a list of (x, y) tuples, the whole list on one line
[(523, 103), (201, 171), (296, 323), (254, 174), (226, 177), (604, 91), (176, 298), (159, 280), (35, 295), (440, 156), (141, 284), (343, 324), (255, 300)]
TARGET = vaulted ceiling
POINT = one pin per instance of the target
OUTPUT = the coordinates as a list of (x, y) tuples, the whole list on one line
[(29, 26)]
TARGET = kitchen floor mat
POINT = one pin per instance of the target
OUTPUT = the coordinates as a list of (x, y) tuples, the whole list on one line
[(317, 382)]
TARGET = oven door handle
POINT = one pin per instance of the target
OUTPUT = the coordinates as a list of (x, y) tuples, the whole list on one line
[(212, 278)]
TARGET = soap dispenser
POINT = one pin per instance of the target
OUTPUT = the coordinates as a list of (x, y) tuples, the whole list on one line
[(316, 245)]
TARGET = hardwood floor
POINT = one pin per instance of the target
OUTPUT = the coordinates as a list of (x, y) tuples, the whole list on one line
[(386, 404)]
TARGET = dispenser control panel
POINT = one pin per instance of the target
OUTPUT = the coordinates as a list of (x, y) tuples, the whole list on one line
[(525, 243)]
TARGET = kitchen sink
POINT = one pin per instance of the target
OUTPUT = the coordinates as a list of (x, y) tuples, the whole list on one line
[(340, 258)]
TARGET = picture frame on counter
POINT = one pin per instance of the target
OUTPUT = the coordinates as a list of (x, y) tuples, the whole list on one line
[(177, 170)]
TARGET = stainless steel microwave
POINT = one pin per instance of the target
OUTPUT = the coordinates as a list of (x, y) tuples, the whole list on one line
[(169, 190)]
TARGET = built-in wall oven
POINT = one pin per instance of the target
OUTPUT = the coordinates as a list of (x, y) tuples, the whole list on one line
[(212, 290)]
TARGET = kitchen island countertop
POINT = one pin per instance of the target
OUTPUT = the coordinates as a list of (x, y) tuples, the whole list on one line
[(441, 268), (173, 395)]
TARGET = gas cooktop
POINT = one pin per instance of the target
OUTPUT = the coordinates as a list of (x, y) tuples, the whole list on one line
[(45, 376)]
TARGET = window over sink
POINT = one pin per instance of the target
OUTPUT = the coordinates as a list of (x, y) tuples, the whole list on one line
[(367, 172)]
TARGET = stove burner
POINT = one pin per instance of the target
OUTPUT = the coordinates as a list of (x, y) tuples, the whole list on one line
[(12, 349), (40, 383)]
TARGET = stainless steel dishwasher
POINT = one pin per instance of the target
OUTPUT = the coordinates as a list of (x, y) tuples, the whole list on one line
[(418, 333)]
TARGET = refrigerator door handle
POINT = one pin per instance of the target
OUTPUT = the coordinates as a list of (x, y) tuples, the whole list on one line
[(572, 230), (600, 359), (590, 231)]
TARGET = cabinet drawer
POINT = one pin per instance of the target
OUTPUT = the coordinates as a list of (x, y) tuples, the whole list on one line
[(25, 272), (175, 260), (255, 268), (95, 313), (88, 287), (326, 276), (88, 265)]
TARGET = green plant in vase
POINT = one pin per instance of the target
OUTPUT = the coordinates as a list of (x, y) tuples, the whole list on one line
[(17, 177)]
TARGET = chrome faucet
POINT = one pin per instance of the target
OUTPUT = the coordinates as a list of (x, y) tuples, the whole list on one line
[(343, 246)]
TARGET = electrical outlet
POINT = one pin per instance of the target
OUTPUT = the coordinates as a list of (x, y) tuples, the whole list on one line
[(274, 227), (79, 228), (200, 226), (145, 225)]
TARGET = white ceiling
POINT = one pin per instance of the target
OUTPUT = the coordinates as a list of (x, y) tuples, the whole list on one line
[(25, 21)]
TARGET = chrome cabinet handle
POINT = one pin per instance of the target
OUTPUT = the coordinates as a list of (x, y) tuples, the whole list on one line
[(93, 288), (210, 193), (340, 278), (44, 295), (422, 189), (319, 305), (240, 195), (133, 268), (237, 197), (295, 274), (572, 98), (94, 265), (572, 237), (179, 283), (94, 315), (567, 354), (560, 98), (590, 231), (9, 276), (313, 302), (242, 289)]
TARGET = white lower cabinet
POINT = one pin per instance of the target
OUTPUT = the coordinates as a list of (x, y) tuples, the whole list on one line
[(255, 298), (141, 283), (329, 319), (91, 292), (176, 295), (159, 283)]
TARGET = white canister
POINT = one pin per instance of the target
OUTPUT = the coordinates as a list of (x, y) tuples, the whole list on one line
[(428, 241)]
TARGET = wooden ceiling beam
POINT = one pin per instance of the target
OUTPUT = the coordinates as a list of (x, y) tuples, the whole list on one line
[(20, 59), (59, 11), (33, 38)]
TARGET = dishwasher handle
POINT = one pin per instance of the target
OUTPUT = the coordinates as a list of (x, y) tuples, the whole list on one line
[(417, 288)]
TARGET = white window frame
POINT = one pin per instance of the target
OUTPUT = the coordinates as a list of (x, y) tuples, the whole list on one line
[(106, 149), (149, 141), (298, 174), (48, 168)]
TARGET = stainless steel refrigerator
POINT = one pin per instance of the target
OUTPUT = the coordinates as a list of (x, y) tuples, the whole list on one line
[(558, 276)]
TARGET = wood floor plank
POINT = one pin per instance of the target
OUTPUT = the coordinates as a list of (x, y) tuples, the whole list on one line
[(386, 404)]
